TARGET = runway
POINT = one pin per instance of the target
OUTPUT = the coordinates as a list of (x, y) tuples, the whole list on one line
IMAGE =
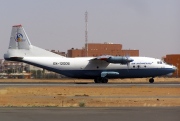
[(90, 114), (61, 84)]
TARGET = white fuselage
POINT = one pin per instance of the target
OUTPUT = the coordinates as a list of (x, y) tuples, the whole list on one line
[(85, 67)]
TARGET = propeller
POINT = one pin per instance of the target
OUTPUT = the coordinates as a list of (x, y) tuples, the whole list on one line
[(128, 60)]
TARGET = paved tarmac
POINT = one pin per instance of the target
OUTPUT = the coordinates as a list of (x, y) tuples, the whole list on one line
[(27, 84), (91, 114)]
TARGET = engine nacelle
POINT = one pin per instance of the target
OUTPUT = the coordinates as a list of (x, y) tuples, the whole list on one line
[(119, 59)]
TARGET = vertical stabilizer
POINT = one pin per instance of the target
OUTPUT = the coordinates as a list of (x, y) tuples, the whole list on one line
[(19, 39), (20, 46)]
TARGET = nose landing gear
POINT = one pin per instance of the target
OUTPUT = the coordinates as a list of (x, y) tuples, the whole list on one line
[(151, 80)]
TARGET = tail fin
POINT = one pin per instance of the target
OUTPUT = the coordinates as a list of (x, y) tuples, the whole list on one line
[(19, 38), (20, 46)]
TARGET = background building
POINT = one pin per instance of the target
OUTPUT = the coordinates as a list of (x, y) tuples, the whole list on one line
[(59, 53), (174, 59), (98, 49), (12, 69)]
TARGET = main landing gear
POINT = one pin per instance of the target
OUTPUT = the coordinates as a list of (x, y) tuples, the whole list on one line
[(101, 80), (151, 80)]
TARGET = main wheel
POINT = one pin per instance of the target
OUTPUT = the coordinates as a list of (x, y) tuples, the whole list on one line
[(101, 80), (151, 80), (98, 80), (104, 80)]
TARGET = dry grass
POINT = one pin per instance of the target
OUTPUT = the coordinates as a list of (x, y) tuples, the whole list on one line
[(90, 96)]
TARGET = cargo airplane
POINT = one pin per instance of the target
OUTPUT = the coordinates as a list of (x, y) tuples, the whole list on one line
[(99, 68)]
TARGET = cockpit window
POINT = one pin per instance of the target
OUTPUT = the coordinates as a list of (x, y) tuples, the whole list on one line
[(159, 62)]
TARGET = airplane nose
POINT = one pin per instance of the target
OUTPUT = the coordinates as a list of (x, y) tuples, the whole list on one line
[(174, 68)]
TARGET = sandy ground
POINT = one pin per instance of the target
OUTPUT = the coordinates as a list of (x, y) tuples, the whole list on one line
[(89, 96)]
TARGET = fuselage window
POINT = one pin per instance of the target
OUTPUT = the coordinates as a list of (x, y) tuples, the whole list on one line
[(145, 66), (133, 66), (138, 66)]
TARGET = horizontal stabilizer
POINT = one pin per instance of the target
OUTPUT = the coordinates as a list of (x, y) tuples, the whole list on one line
[(14, 59)]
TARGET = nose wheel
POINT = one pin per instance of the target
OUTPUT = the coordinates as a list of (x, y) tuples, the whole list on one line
[(151, 80)]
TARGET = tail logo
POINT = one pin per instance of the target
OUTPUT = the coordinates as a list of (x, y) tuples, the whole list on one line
[(19, 37)]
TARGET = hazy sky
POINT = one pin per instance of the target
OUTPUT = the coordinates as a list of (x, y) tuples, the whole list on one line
[(152, 26)]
